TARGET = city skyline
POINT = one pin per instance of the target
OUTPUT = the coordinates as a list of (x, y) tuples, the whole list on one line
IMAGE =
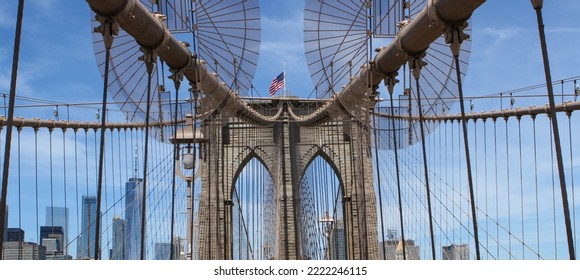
[(499, 32)]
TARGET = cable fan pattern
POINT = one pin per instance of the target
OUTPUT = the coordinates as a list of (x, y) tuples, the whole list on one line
[(226, 34), (337, 41)]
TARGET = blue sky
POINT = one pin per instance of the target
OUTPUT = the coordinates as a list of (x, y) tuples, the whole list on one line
[(57, 61)]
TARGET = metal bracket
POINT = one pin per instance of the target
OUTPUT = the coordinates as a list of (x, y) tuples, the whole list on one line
[(391, 81), (176, 76), (416, 63), (149, 57), (455, 36), (108, 28)]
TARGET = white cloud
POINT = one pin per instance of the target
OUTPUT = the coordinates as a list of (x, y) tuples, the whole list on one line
[(504, 33), (563, 30)]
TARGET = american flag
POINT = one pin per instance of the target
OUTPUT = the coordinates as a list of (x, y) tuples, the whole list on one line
[(277, 84)]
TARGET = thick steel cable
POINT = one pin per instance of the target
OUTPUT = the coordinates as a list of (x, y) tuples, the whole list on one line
[(191, 182), (569, 115), (149, 59), (9, 124), (177, 83), (555, 131), (397, 169), (425, 167), (97, 252), (194, 85), (106, 29), (467, 157)]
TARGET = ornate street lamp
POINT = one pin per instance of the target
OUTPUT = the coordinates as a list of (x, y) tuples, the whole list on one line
[(327, 224), (187, 136)]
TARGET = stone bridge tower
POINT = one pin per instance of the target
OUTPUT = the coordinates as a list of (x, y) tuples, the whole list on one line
[(286, 149)]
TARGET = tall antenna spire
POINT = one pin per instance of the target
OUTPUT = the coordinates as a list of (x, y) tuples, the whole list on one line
[(135, 175)]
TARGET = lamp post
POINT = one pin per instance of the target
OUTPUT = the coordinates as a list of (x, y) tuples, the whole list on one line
[(327, 222), (188, 135)]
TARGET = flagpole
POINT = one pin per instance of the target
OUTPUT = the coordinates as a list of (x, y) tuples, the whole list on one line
[(285, 93)]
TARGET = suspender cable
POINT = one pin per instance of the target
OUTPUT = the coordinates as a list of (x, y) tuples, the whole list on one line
[(496, 185), (36, 180), (19, 191), (208, 158), (486, 187), (215, 163), (149, 58), (113, 172), (9, 124), (555, 131), (536, 185), (176, 76), (391, 81), (508, 185), (417, 64), (107, 29), (191, 182), (455, 37), (51, 182), (519, 118)]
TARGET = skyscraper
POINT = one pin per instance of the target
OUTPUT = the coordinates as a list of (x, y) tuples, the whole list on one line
[(52, 238), (133, 204), (15, 235), (338, 242), (14, 247), (86, 240), (455, 252), (393, 248), (118, 250), (163, 250), (23, 251), (58, 217)]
